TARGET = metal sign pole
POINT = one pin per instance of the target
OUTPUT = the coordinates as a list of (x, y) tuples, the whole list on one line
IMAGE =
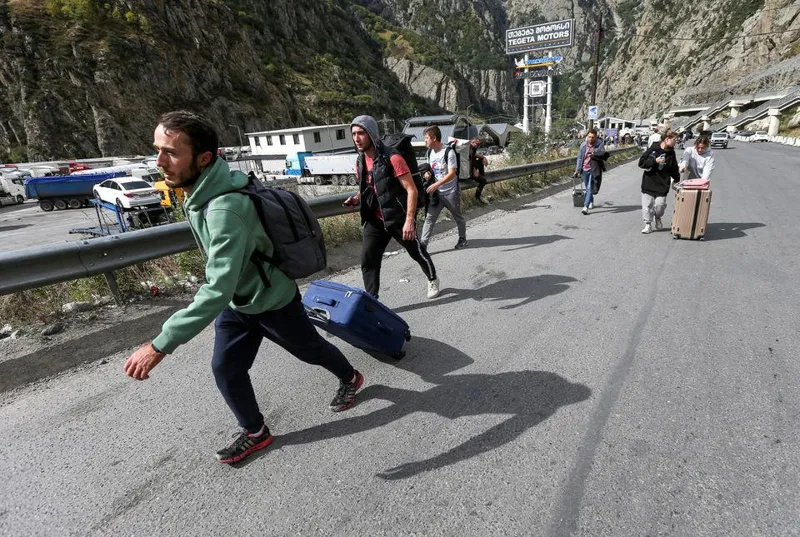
[(525, 84), (548, 118)]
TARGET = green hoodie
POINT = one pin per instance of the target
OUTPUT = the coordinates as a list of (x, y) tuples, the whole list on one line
[(228, 230)]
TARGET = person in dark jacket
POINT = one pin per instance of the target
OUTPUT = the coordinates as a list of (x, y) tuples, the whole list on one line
[(660, 166), (583, 165), (388, 199), (598, 166), (477, 166)]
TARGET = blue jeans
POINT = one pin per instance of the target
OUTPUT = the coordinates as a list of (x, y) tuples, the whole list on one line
[(587, 184), (238, 337)]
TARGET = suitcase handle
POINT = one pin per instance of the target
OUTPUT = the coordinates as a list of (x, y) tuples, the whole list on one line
[(383, 327), (319, 314), (327, 301)]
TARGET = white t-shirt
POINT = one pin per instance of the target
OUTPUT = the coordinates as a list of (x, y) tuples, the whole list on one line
[(440, 167), (699, 166)]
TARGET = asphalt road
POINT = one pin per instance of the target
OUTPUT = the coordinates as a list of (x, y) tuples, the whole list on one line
[(574, 378)]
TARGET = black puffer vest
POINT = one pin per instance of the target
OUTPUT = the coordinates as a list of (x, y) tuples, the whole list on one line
[(392, 197)]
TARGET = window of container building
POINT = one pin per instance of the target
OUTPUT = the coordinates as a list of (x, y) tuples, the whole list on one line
[(257, 141), (282, 139), (296, 139), (317, 138), (340, 134), (269, 140)]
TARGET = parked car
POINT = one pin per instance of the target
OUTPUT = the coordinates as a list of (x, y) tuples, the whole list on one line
[(719, 139), (127, 193), (744, 134), (759, 136)]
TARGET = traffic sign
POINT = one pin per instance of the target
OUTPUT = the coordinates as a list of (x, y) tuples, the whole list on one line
[(537, 88), (593, 111)]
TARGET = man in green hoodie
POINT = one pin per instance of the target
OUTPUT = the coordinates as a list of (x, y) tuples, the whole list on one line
[(244, 309)]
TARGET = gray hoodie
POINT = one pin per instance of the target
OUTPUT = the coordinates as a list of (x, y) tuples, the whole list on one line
[(369, 124)]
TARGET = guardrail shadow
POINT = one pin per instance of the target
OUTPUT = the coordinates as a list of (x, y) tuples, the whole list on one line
[(525, 398), (526, 290), (716, 231), (93, 346), (12, 228), (520, 242)]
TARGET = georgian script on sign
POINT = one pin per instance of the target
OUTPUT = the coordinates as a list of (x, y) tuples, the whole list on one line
[(539, 37)]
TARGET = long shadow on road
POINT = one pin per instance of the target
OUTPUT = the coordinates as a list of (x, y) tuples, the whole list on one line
[(525, 290), (527, 398), (608, 207), (520, 242), (716, 231)]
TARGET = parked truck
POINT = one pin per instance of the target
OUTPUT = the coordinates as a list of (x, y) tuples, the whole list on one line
[(12, 187), (337, 169), (340, 169), (65, 191)]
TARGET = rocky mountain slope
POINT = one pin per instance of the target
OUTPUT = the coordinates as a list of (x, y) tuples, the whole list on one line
[(82, 78)]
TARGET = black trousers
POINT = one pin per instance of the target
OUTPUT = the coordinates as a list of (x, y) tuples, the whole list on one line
[(481, 180), (376, 239), (238, 336)]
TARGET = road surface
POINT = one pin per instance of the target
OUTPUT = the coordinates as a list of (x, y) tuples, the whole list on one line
[(574, 378)]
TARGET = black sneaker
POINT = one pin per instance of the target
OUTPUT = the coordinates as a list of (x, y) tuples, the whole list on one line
[(244, 445), (346, 394), (462, 243)]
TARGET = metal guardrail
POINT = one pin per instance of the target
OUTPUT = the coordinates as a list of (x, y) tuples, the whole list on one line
[(38, 266)]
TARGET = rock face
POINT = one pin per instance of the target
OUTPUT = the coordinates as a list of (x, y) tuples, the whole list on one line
[(83, 79)]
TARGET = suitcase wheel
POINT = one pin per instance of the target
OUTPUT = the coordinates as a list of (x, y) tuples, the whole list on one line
[(399, 355), (407, 335)]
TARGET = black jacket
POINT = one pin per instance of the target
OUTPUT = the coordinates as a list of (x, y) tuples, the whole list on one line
[(655, 179), (392, 197)]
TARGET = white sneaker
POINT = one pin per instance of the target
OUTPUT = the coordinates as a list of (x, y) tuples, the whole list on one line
[(433, 288), (591, 205), (647, 229), (659, 225), (585, 210)]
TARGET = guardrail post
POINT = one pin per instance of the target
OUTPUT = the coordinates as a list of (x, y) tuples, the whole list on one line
[(111, 280)]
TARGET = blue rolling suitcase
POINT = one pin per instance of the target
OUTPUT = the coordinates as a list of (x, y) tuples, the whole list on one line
[(356, 317)]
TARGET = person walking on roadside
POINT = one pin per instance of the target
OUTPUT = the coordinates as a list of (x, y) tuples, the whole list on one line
[(244, 307), (583, 165), (660, 169), (477, 167), (388, 199), (698, 160), (655, 137), (444, 165)]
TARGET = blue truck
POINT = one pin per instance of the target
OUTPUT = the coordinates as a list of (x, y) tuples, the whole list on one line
[(65, 191)]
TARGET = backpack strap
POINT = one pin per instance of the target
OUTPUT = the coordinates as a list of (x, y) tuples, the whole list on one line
[(257, 257)]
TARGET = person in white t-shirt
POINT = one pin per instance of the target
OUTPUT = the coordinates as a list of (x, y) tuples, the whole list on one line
[(655, 138), (698, 160), (444, 164)]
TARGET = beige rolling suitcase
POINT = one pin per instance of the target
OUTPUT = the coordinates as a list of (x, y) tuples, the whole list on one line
[(690, 218)]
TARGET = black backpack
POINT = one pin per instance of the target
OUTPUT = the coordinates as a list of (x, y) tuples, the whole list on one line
[(451, 146), (292, 227), (401, 143)]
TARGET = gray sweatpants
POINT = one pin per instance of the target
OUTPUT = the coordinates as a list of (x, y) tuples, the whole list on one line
[(452, 201), (653, 206)]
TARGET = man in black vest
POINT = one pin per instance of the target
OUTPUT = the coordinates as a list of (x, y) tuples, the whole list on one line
[(388, 199)]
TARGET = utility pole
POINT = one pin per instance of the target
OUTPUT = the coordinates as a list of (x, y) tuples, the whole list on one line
[(597, 37), (241, 143), (525, 103)]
